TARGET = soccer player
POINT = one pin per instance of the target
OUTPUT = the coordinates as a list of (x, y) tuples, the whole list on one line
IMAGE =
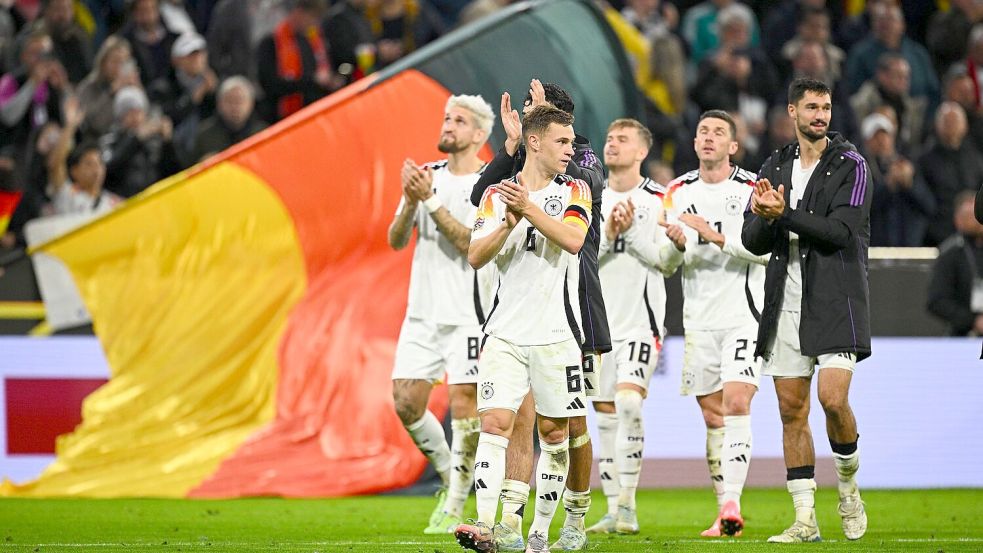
[(531, 227), (816, 225), (635, 298), (723, 288), (585, 166), (442, 327)]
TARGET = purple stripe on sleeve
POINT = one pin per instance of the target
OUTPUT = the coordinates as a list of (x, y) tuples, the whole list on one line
[(860, 179)]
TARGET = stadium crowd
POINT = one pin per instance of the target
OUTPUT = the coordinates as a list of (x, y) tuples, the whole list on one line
[(145, 88)]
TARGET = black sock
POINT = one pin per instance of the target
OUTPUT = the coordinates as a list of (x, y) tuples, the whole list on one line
[(799, 473), (844, 449)]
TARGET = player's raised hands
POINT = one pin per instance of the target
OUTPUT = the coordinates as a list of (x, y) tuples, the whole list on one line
[(515, 195), (510, 119), (675, 234), (767, 202), (538, 93), (406, 174)]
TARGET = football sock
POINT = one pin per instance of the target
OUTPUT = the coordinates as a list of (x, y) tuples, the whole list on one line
[(630, 442), (607, 426), (576, 504), (715, 446), (803, 492), (489, 472), (846, 458), (554, 460), (464, 442), (428, 435), (515, 495), (736, 456)]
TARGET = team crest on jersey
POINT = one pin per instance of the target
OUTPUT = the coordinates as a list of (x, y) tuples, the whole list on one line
[(553, 206), (734, 205), (487, 390), (642, 214), (479, 222)]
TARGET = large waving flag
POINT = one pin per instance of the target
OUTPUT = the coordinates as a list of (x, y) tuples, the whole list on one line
[(249, 308)]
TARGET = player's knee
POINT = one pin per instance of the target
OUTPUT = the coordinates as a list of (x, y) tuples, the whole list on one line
[(794, 411), (834, 403), (629, 404), (737, 404), (552, 431), (492, 424), (408, 412), (463, 406)]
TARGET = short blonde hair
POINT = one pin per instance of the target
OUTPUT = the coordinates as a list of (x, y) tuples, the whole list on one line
[(481, 110), (643, 132)]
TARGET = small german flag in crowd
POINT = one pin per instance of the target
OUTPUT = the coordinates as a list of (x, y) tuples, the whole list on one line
[(8, 203)]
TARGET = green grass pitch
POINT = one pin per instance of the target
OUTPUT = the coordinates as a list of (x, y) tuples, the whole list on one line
[(921, 520)]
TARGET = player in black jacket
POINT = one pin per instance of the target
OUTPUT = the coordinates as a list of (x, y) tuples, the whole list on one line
[(597, 337), (811, 211)]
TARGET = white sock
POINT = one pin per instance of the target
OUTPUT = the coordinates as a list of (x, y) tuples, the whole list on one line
[(428, 435), (552, 473), (631, 442), (464, 442), (515, 495), (736, 456), (607, 427), (489, 472), (803, 492), (846, 471), (715, 446), (576, 504)]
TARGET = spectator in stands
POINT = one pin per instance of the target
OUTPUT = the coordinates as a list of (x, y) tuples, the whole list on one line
[(187, 93), (814, 28), (350, 36), (401, 26), (31, 95), (973, 63), (138, 151), (479, 9), (150, 41), (737, 77), (294, 67), (781, 131), (701, 30), (888, 36), (958, 87), (948, 32), (811, 61), (955, 294), (75, 181), (114, 69), (653, 18), (901, 204), (890, 86), (233, 122), (950, 166), (71, 45), (231, 47), (776, 31)]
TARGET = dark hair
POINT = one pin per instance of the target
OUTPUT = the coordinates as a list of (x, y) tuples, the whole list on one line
[(313, 6), (541, 117), (806, 13), (79, 152), (799, 87), (722, 115), (885, 60), (556, 96)]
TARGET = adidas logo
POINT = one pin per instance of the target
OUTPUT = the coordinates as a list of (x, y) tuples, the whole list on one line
[(636, 455), (638, 373), (739, 459), (691, 209), (717, 478), (549, 496), (587, 384), (462, 469), (748, 372), (473, 371), (606, 476), (479, 484), (575, 404)]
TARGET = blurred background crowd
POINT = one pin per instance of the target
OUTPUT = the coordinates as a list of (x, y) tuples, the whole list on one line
[(101, 98)]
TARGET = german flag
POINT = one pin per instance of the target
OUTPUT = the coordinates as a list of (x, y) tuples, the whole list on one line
[(8, 203), (249, 307)]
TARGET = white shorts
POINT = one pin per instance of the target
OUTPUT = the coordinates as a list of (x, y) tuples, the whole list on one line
[(783, 357), (631, 361), (552, 371), (426, 350), (713, 357)]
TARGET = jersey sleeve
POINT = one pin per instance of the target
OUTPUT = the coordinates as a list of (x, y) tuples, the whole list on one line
[(578, 210), (489, 214)]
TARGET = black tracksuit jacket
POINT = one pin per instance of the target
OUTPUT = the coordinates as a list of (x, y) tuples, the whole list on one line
[(833, 224)]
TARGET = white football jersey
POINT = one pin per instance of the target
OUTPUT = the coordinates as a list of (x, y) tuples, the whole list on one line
[(634, 294), (443, 287), (792, 298), (722, 288), (536, 302)]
